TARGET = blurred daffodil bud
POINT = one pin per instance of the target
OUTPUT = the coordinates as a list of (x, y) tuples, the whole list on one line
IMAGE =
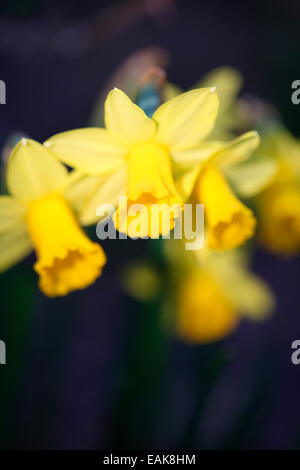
[(37, 215)]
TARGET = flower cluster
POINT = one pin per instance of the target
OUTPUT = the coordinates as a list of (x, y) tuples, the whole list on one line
[(214, 291), (189, 150)]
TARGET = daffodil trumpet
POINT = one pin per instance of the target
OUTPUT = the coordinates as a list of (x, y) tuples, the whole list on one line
[(37, 215), (229, 221), (205, 313)]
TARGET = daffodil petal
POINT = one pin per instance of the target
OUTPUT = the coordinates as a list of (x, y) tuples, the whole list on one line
[(205, 313), (170, 91), (80, 188), (237, 151), (185, 182), (126, 121), (91, 150), (12, 214), (107, 191), (230, 223), (250, 294), (14, 246), (187, 119), (32, 171), (228, 82), (252, 177), (190, 157), (278, 209)]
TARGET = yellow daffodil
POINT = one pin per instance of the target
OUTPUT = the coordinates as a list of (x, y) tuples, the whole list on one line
[(206, 293), (38, 215), (279, 212), (278, 206), (229, 222), (204, 312), (141, 148), (228, 82)]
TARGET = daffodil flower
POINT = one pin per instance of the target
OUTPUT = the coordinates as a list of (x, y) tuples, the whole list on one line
[(140, 149), (207, 293), (215, 292), (36, 215), (229, 222), (278, 206), (214, 298), (205, 313)]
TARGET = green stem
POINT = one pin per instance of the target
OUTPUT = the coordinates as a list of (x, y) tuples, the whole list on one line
[(18, 297)]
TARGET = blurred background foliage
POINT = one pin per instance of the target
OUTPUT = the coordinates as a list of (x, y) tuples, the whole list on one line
[(98, 369)]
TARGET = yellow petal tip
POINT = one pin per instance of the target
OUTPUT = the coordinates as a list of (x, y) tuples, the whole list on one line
[(115, 89), (24, 141)]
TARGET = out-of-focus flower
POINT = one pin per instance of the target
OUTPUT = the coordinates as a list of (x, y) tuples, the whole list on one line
[(215, 291), (38, 215), (141, 280), (217, 294), (206, 293), (205, 313), (278, 206)]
